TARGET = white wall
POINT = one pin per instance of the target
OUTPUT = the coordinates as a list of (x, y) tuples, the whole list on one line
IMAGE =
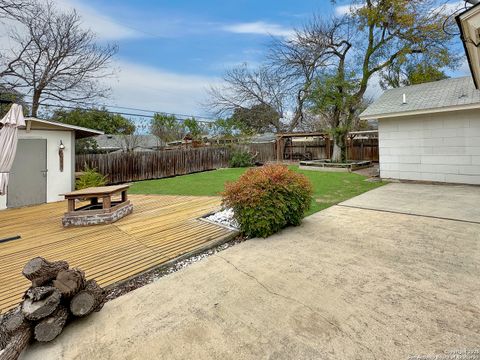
[(442, 147), (57, 182)]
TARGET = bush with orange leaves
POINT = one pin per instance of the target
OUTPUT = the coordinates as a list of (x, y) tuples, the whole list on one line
[(267, 199)]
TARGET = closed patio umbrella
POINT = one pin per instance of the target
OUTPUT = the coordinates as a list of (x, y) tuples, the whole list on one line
[(8, 143)]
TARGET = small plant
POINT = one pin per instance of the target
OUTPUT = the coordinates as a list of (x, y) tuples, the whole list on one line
[(267, 199), (241, 159), (90, 178)]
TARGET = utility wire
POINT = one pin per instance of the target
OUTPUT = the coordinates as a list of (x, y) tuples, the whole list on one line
[(179, 117)]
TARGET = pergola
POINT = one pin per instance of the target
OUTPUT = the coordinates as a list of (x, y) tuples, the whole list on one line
[(282, 138)]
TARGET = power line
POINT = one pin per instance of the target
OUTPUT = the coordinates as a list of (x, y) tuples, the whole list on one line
[(78, 105), (134, 114)]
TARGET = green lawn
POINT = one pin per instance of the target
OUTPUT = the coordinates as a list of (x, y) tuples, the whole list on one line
[(329, 188)]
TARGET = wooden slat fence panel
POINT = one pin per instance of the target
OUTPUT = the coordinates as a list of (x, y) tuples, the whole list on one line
[(363, 149), (126, 167), (263, 151)]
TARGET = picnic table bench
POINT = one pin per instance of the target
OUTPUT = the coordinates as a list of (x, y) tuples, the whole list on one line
[(96, 212)]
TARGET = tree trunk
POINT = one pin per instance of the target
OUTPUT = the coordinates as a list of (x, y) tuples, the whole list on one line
[(88, 300), (17, 343), (339, 148), (50, 327), (69, 282), (337, 152), (35, 102), (40, 271), (36, 310)]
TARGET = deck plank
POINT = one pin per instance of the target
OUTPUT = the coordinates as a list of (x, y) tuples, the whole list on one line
[(160, 229)]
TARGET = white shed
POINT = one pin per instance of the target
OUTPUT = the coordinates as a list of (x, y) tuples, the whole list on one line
[(38, 175), (429, 132)]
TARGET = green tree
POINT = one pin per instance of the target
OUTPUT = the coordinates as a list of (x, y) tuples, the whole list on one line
[(98, 119), (166, 127), (193, 127), (7, 97), (411, 74), (371, 38)]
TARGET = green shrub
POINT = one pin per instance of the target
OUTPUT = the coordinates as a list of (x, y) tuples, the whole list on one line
[(267, 199), (241, 159), (90, 178)]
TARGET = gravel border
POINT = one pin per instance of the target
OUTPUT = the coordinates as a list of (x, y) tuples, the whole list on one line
[(150, 276)]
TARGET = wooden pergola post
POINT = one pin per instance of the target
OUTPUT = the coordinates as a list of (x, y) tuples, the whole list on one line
[(280, 147), (328, 154)]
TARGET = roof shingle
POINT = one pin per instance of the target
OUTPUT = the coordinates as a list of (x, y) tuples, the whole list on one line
[(433, 95)]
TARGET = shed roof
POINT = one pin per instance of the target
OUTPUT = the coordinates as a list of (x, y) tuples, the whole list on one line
[(438, 96), (41, 124)]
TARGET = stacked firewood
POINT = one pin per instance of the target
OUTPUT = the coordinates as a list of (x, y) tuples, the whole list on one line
[(58, 294)]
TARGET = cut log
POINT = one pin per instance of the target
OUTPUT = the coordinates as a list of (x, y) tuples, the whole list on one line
[(38, 293), (69, 282), (90, 299), (14, 320), (36, 310), (17, 343), (50, 327), (40, 271)]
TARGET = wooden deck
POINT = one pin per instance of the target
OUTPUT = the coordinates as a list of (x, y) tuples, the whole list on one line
[(160, 229)]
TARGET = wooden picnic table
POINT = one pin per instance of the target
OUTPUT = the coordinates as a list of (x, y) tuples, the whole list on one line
[(95, 193)]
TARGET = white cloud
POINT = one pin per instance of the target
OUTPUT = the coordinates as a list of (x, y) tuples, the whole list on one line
[(259, 28), (106, 27), (346, 9), (155, 89)]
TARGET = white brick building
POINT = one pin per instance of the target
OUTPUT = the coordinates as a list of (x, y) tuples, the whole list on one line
[(433, 136)]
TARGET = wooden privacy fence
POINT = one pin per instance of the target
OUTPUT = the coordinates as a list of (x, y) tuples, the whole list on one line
[(358, 149), (125, 167), (363, 149), (262, 152), (136, 166)]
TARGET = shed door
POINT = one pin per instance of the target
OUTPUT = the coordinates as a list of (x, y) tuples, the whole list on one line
[(28, 177)]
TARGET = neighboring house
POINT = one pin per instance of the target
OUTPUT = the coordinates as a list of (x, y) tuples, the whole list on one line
[(429, 132), (121, 143), (263, 138), (37, 175)]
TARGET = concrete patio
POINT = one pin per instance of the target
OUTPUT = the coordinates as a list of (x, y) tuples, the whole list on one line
[(350, 283)]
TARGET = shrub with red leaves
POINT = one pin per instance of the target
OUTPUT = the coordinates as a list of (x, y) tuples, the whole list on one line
[(267, 199)]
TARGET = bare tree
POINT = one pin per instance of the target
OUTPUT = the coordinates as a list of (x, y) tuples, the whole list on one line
[(299, 60), (283, 83), (129, 142), (56, 58), (245, 88), (13, 9)]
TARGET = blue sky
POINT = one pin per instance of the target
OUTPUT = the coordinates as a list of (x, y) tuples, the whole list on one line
[(170, 52)]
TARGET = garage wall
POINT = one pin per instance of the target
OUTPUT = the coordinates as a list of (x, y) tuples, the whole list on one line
[(57, 182), (441, 147)]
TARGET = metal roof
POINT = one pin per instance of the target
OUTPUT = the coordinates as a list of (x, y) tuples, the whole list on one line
[(444, 95)]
